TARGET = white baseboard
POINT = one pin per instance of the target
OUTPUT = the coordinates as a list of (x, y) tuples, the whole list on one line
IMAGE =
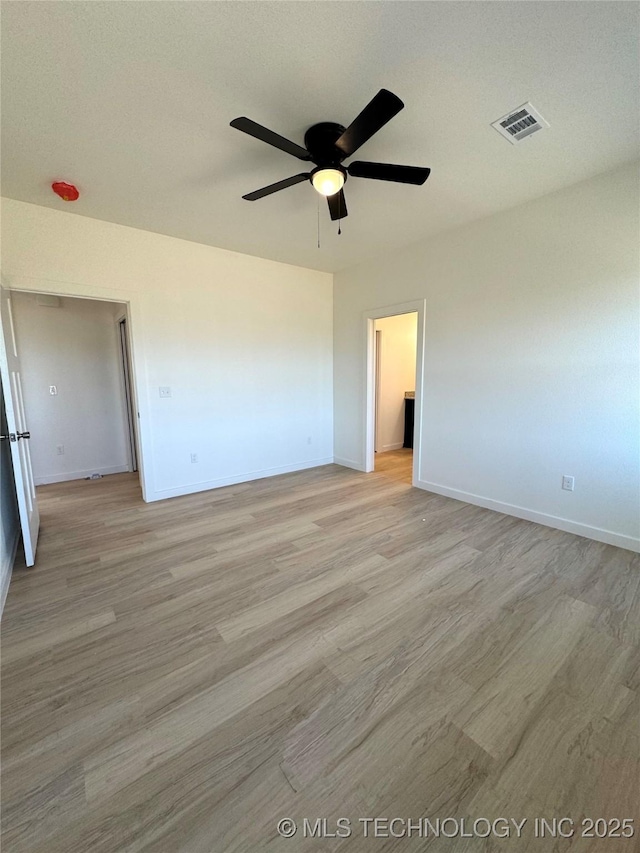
[(348, 463), (621, 540), (80, 475), (206, 486), (7, 568), (397, 446)]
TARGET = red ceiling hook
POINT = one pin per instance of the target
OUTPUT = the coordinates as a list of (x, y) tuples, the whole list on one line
[(67, 192)]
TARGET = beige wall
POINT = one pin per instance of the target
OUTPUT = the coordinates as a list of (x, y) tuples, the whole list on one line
[(244, 344), (531, 357)]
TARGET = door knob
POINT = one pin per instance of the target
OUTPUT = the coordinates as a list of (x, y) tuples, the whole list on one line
[(23, 435)]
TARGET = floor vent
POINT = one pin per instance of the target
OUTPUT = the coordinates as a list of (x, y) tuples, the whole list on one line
[(521, 122)]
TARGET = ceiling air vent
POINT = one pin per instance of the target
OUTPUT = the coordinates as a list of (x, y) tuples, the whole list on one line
[(521, 122)]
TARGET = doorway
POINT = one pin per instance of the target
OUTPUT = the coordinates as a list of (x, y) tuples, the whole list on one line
[(77, 384), (394, 374), (395, 387)]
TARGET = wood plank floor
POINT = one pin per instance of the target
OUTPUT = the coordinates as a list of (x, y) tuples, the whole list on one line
[(395, 464), (179, 676)]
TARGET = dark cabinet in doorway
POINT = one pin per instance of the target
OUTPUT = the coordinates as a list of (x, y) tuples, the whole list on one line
[(409, 411)]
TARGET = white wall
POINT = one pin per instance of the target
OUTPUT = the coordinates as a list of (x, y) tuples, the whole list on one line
[(9, 525), (397, 361), (244, 344), (74, 347), (531, 357)]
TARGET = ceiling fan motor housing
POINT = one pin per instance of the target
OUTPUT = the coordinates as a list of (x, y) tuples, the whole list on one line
[(320, 142)]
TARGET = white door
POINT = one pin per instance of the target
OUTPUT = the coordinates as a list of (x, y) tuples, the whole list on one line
[(17, 431)]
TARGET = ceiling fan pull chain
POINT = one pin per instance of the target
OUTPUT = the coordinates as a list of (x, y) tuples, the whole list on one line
[(318, 221)]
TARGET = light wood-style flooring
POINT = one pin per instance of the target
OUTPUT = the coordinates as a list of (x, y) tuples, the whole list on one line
[(395, 464), (179, 676)]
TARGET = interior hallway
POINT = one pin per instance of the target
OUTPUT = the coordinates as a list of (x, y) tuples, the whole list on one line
[(395, 464), (179, 676)]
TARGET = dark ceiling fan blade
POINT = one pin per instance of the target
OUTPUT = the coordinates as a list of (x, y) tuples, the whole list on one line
[(280, 185), (375, 115), (388, 172), (337, 205), (265, 135)]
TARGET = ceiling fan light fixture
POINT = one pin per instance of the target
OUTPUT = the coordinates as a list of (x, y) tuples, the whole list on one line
[(328, 181), (327, 144)]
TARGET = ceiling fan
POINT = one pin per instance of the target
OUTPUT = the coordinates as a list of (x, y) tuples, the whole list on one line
[(327, 144)]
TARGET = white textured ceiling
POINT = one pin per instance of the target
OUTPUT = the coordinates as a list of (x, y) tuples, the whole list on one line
[(132, 102)]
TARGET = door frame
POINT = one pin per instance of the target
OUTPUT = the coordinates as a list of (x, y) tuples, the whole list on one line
[(132, 303), (419, 307), (127, 388)]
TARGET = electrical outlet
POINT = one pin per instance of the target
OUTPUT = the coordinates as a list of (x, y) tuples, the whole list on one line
[(309, 439), (53, 390), (568, 483), (164, 391), (60, 449), (194, 457)]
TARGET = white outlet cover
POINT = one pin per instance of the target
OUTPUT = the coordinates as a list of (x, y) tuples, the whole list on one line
[(164, 391)]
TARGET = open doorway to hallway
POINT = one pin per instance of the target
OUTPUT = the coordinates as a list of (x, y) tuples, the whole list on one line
[(77, 386), (396, 339)]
